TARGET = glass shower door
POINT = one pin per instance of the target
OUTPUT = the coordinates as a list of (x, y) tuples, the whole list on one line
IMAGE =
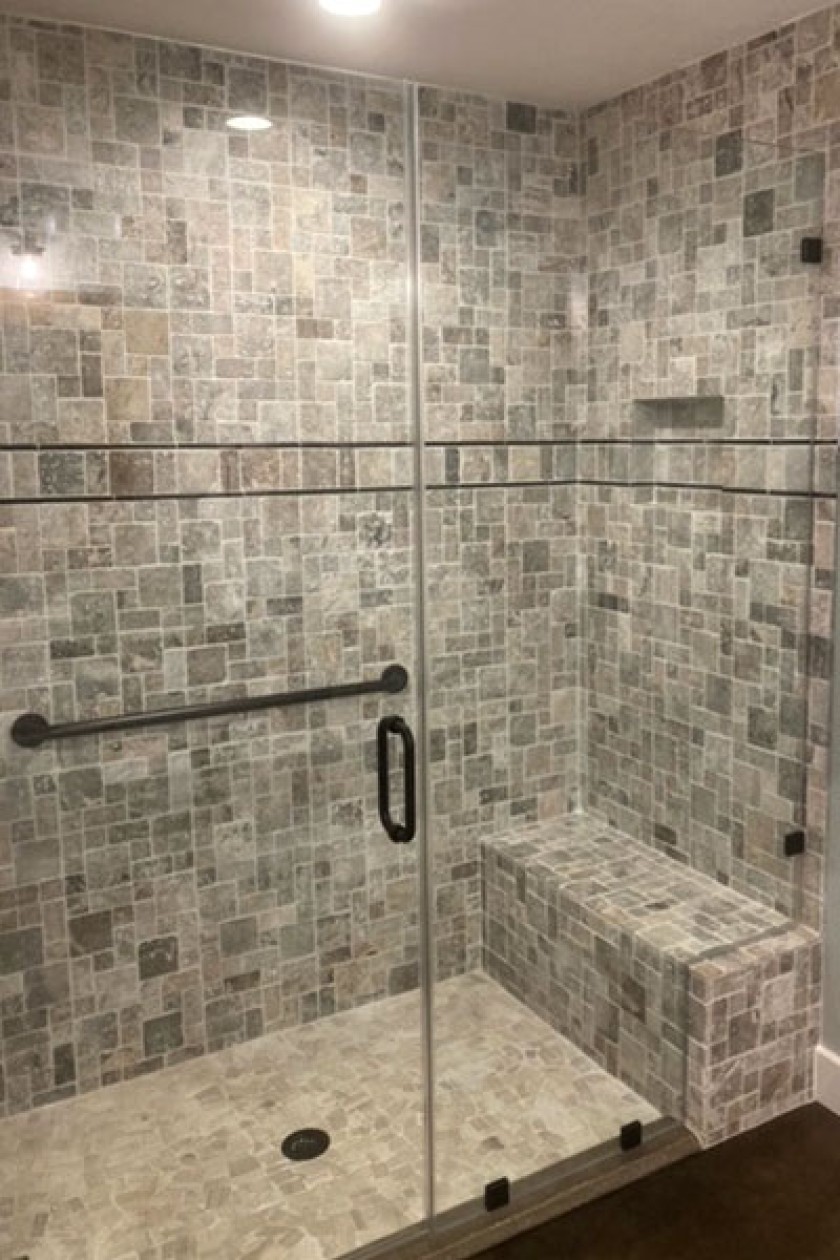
[(210, 949), (504, 319)]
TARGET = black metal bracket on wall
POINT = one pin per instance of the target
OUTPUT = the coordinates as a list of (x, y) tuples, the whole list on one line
[(811, 250), (795, 843)]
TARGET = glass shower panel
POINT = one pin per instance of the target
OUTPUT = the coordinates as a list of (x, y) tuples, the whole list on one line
[(503, 311), (704, 340), (210, 498), (620, 360), (714, 402)]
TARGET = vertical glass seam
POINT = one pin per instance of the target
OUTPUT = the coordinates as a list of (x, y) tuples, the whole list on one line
[(427, 969), (581, 493)]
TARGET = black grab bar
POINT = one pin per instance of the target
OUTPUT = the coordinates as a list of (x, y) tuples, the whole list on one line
[(30, 730)]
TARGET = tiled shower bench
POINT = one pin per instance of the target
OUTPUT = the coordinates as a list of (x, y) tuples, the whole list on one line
[(702, 1000)]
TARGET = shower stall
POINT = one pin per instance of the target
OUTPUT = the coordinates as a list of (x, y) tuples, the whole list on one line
[(410, 533)]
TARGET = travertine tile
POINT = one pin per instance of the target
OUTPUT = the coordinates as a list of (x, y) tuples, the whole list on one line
[(702, 1000), (233, 851), (622, 609), (188, 1162)]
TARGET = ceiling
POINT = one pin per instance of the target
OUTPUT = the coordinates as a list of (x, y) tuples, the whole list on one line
[(570, 53)]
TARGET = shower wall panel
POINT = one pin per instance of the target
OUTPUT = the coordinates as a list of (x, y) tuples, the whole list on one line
[(207, 494), (697, 492), (503, 340)]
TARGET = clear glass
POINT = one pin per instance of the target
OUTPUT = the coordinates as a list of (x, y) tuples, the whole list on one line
[(208, 941), (620, 383), (521, 402)]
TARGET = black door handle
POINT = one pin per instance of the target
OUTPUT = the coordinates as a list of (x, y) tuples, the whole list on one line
[(404, 832)]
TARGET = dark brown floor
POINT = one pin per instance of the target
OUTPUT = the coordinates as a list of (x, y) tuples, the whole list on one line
[(773, 1194)]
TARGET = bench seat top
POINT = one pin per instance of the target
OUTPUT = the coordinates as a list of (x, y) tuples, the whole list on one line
[(626, 885)]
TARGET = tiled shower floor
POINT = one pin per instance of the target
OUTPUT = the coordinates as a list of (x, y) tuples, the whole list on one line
[(187, 1163)]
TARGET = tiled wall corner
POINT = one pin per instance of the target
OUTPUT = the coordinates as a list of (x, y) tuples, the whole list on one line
[(700, 531)]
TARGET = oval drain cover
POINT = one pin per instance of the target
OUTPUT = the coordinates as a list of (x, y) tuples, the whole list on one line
[(305, 1144)]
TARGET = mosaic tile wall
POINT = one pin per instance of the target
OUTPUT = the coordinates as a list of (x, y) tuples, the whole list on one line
[(505, 656), (699, 533), (503, 334), (782, 89), (696, 640), (206, 475), (170, 892), (203, 400)]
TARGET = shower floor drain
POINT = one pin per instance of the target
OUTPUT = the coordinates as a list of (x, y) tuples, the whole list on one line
[(305, 1144)]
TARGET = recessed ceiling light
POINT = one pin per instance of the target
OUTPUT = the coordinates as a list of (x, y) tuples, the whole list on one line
[(248, 122), (351, 8)]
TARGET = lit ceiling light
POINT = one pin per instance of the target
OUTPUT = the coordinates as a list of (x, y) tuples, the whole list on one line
[(351, 8), (248, 122)]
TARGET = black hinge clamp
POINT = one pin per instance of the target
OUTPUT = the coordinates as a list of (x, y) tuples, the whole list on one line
[(811, 250), (630, 1135), (794, 843), (497, 1194)]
